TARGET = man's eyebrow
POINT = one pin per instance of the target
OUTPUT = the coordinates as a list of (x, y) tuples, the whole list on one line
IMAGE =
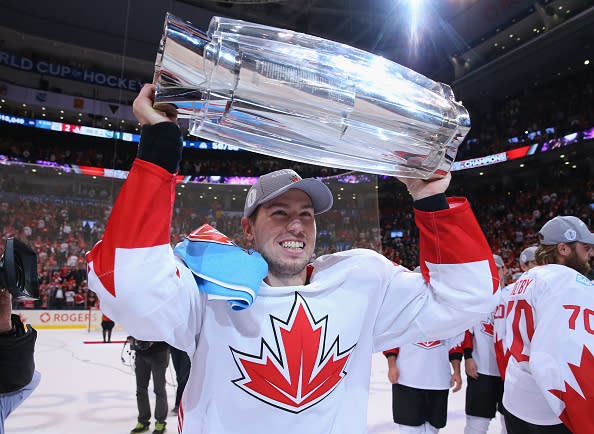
[(269, 205)]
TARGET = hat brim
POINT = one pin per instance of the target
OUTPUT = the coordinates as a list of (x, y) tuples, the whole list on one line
[(320, 195)]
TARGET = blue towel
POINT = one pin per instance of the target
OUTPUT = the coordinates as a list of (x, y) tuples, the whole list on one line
[(221, 268)]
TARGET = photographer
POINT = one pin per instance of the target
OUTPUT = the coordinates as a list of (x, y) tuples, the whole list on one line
[(151, 357), (18, 377)]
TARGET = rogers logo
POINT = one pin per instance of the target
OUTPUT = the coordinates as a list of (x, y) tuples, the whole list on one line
[(45, 317)]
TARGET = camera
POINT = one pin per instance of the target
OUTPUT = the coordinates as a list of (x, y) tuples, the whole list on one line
[(18, 270)]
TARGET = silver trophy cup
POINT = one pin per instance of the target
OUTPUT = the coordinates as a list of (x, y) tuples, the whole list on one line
[(307, 99)]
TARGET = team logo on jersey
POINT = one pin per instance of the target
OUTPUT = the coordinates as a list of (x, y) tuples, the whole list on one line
[(297, 371), (487, 327), (502, 355), (583, 280), (210, 235), (577, 414), (428, 344)]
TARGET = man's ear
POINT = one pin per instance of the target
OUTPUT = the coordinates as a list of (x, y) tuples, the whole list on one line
[(248, 228), (563, 250)]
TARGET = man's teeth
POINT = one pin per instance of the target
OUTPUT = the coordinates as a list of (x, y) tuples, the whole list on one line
[(292, 244)]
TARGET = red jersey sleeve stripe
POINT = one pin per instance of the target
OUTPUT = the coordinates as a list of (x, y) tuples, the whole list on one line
[(453, 236), (141, 217)]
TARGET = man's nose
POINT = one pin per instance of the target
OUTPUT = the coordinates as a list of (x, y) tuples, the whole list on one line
[(295, 225)]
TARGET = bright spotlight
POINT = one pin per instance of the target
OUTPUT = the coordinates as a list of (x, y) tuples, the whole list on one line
[(415, 8)]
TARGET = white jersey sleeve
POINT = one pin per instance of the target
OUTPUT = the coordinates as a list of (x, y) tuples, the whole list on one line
[(140, 283), (550, 337), (456, 289)]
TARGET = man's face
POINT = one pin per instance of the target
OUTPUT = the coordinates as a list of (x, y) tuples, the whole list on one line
[(284, 233), (579, 257)]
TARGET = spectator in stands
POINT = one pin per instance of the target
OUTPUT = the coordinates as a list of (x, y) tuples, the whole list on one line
[(91, 299), (80, 299), (59, 297)]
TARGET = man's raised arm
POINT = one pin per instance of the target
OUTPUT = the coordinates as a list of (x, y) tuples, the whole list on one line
[(132, 268)]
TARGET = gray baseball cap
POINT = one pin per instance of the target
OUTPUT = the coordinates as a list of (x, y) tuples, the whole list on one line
[(527, 255), (565, 229), (276, 183), (498, 261)]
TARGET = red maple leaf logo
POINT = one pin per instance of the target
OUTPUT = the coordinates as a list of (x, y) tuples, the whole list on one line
[(428, 344), (502, 356), (487, 327), (578, 415), (211, 235), (301, 372)]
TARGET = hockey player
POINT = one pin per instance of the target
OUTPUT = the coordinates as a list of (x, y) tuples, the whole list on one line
[(484, 388), (527, 261), (421, 378), (549, 337), (298, 359), (528, 258)]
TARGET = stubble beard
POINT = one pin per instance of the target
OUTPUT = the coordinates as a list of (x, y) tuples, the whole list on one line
[(284, 270), (579, 265)]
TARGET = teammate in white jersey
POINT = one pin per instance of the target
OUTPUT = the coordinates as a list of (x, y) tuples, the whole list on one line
[(421, 377), (527, 261), (549, 336), (484, 387), (298, 359)]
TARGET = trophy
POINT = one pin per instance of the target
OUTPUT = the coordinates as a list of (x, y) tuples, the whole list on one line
[(304, 98)]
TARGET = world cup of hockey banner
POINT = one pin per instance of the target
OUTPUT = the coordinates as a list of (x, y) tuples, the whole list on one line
[(304, 98), (68, 72), (65, 102)]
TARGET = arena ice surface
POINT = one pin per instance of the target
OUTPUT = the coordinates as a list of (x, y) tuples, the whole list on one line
[(85, 388)]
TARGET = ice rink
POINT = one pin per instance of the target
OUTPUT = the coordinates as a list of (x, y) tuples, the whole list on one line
[(87, 389)]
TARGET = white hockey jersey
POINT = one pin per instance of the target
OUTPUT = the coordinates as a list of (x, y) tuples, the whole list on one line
[(426, 365), (480, 338), (299, 359), (549, 341), (499, 318)]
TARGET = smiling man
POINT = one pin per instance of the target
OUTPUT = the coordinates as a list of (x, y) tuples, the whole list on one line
[(294, 354), (279, 220)]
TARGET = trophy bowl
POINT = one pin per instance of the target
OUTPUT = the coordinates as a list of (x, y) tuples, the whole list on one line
[(308, 99)]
